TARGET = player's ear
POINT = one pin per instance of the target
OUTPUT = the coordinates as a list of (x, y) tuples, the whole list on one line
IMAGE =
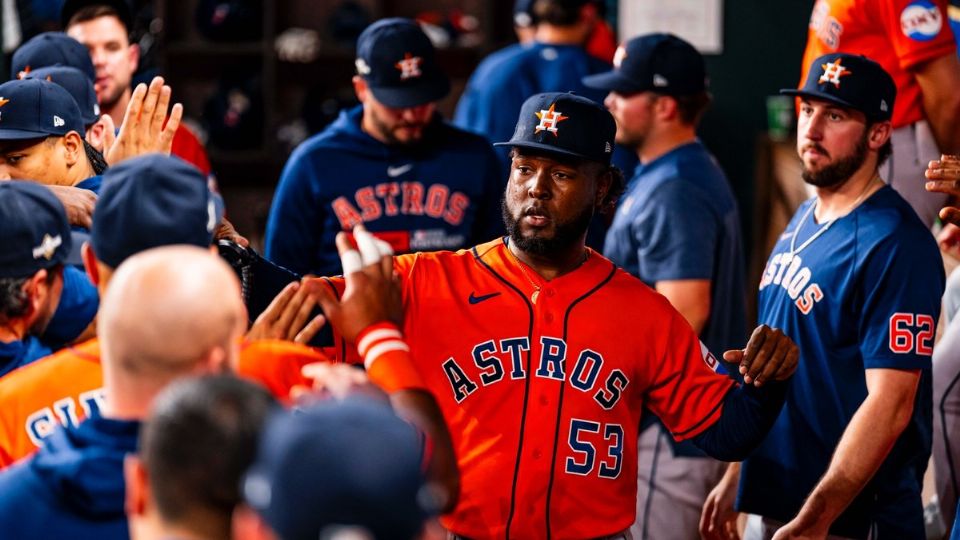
[(137, 486), (878, 135), (360, 88), (90, 263), (73, 148)]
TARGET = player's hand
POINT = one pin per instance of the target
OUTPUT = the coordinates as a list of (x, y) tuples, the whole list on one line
[(949, 239), (372, 292), (718, 521), (226, 231), (335, 381), (78, 203), (944, 176), (796, 531), (286, 316), (146, 127), (769, 356)]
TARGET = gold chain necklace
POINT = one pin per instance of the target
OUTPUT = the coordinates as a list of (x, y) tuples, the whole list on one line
[(536, 288)]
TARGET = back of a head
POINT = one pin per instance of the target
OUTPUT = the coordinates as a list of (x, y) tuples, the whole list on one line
[(337, 465), (151, 201), (166, 311), (199, 440), (558, 12)]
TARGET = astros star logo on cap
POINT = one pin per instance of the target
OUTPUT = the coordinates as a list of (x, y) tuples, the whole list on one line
[(549, 120), (409, 67), (832, 71)]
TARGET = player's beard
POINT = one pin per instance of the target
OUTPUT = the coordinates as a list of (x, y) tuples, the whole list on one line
[(565, 234), (388, 132), (840, 171)]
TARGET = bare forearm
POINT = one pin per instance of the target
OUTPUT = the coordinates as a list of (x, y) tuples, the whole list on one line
[(866, 442), (942, 116)]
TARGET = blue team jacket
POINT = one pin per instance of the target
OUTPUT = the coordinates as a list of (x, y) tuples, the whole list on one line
[(72, 487)]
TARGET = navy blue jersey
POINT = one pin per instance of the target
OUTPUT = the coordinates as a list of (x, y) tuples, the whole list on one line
[(443, 193), (861, 293), (678, 220)]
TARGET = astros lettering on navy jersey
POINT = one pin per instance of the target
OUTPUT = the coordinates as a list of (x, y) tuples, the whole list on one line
[(860, 293), (543, 398), (443, 193)]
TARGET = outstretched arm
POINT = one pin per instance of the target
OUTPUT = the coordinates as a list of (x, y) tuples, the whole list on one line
[(369, 314)]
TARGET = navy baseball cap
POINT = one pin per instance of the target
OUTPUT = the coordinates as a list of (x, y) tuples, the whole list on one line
[(35, 233), (122, 7), (37, 108), (661, 63), (565, 124), (523, 13), (399, 64), (77, 84), (850, 80), (350, 463), (51, 49), (150, 201)]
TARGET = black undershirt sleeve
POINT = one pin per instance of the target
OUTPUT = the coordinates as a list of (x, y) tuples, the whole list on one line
[(748, 414)]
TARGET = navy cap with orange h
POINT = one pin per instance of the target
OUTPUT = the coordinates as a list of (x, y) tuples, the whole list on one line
[(852, 81), (398, 62), (567, 125)]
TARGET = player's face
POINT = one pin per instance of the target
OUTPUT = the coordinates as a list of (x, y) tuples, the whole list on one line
[(832, 142), (34, 159), (114, 59), (548, 204), (396, 126), (634, 115)]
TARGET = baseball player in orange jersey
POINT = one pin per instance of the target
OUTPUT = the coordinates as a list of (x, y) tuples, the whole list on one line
[(542, 353)]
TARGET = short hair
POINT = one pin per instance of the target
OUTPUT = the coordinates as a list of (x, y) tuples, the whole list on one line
[(199, 440), (90, 13), (13, 299), (691, 107), (556, 13)]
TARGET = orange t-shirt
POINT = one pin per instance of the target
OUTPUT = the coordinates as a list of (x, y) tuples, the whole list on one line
[(898, 34)]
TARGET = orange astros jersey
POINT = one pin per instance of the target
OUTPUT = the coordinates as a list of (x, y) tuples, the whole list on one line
[(61, 389), (898, 34), (543, 399), (66, 388)]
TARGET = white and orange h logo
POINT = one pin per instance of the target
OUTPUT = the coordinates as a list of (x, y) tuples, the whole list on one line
[(409, 67), (549, 119), (832, 71)]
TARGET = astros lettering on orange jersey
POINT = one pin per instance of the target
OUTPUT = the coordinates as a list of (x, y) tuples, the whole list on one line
[(543, 400)]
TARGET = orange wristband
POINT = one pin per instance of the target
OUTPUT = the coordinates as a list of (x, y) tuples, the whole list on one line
[(387, 358)]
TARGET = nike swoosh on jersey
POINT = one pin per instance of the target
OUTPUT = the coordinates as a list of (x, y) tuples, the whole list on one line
[(477, 299), (394, 172)]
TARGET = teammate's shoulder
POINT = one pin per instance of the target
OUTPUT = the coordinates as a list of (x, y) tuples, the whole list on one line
[(58, 365), (499, 58), (887, 213)]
